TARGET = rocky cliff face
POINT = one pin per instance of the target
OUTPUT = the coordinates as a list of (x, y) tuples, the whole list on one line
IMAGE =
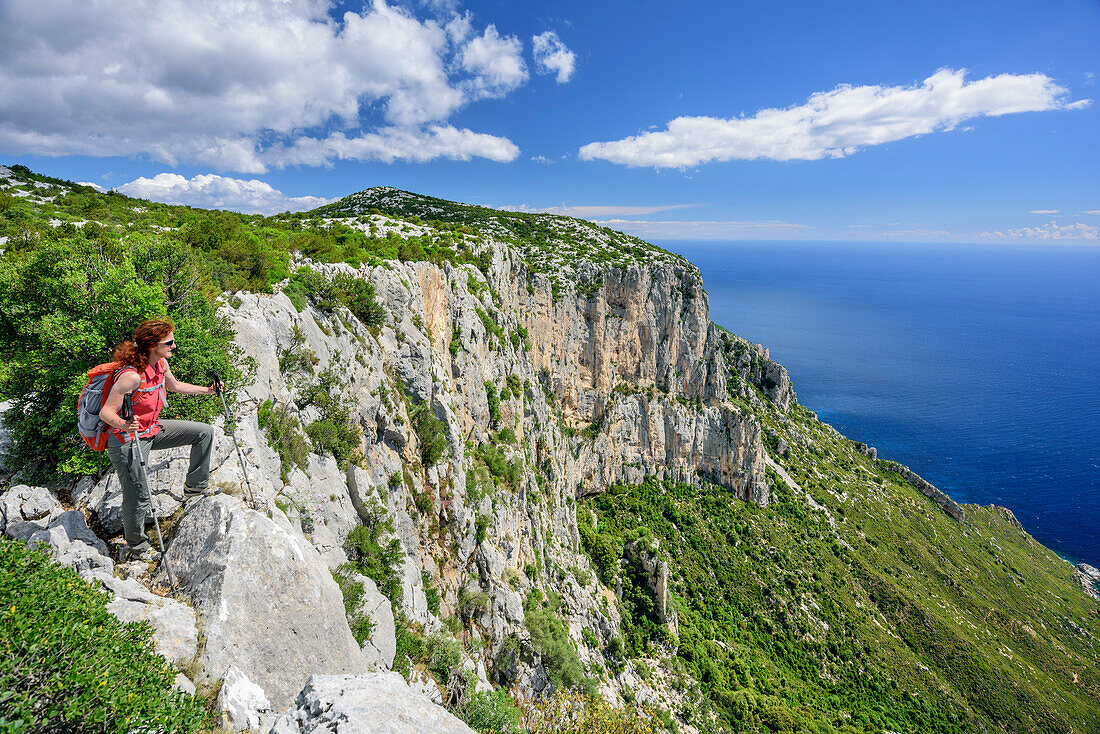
[(570, 389)]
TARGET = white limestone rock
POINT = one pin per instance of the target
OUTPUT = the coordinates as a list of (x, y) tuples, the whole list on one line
[(266, 600), (241, 701), (27, 504), (377, 703)]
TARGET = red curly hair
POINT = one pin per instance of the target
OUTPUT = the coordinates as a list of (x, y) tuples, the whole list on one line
[(147, 335)]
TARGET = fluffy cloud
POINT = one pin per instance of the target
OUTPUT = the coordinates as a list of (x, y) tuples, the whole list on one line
[(837, 123), (390, 144), (225, 84), (553, 57), (1050, 231), (218, 192), (496, 64)]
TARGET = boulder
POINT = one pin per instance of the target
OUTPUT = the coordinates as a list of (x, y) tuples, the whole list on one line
[(377, 703), (241, 701), (71, 541), (27, 504), (175, 635), (265, 598), (104, 498)]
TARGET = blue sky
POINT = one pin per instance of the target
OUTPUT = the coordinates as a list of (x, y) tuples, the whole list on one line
[(884, 121)]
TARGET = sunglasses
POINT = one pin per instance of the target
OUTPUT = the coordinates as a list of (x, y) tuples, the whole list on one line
[(169, 343)]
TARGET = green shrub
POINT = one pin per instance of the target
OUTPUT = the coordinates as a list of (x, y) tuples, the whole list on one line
[(481, 525), (494, 404), (335, 432), (430, 592), (444, 655), (64, 308), (489, 712), (361, 624), (471, 603), (432, 434), (329, 293), (68, 665), (377, 561), (496, 461), (284, 434), (550, 638)]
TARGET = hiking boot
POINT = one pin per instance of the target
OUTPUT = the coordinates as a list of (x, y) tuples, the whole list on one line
[(189, 492), (145, 555)]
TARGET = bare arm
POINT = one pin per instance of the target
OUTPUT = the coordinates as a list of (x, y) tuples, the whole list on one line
[(184, 388), (126, 383)]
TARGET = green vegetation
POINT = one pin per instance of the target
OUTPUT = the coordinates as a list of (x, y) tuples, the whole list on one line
[(876, 612), (431, 433), (335, 432), (284, 434), (65, 304), (494, 404), (489, 712), (361, 624), (67, 664), (550, 638)]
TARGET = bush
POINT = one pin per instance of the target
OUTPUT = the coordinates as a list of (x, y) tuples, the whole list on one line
[(489, 712), (444, 655), (431, 433), (577, 713), (328, 294), (494, 404), (67, 664), (66, 305), (361, 624), (378, 562), (550, 638), (334, 432), (284, 434)]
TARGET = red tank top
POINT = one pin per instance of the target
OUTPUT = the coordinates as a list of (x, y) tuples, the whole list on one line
[(149, 399)]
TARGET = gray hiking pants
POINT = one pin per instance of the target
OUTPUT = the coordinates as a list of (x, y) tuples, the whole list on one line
[(136, 501)]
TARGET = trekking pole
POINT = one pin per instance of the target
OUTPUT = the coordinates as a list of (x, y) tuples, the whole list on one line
[(128, 409), (219, 388)]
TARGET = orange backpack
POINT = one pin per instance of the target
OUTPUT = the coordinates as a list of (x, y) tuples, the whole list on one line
[(100, 379)]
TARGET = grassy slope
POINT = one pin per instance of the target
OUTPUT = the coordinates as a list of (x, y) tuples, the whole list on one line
[(876, 612)]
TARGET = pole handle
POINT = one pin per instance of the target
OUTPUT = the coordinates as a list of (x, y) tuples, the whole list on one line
[(127, 407)]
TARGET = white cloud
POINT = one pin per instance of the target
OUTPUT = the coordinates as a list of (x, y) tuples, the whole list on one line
[(702, 230), (553, 57), (1092, 211), (1049, 231), (1043, 211), (587, 212), (542, 159), (220, 84), (496, 64), (392, 143), (218, 192), (837, 123)]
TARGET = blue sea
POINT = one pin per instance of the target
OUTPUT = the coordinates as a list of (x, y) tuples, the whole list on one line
[(976, 365)]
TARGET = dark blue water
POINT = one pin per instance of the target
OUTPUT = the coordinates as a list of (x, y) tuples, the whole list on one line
[(976, 365)]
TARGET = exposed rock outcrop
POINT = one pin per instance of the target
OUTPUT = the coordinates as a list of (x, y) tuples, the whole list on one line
[(923, 486), (377, 703), (265, 598)]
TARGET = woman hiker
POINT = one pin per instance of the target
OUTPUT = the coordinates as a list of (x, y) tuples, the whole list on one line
[(147, 355)]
